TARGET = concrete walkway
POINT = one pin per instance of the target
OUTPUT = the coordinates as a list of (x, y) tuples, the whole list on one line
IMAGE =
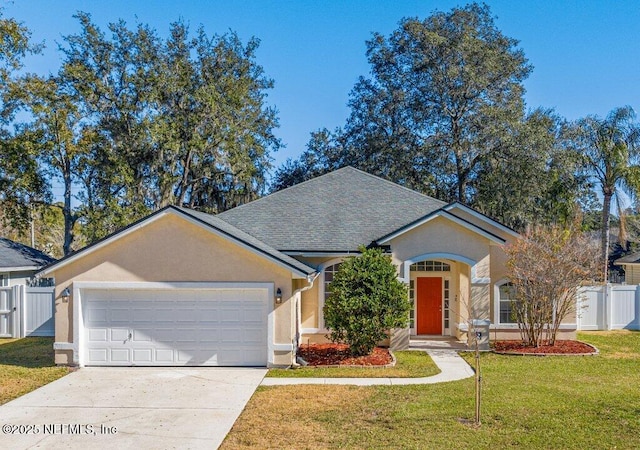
[(451, 365)]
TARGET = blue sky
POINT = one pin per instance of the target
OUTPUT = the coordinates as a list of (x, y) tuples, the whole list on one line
[(585, 53)]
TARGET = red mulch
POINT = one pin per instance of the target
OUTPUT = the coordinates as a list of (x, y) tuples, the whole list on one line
[(338, 355), (560, 348)]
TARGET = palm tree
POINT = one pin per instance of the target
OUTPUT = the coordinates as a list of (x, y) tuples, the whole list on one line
[(611, 151)]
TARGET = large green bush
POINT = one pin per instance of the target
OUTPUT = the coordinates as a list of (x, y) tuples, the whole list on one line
[(366, 301)]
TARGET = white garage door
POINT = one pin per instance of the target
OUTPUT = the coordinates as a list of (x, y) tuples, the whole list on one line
[(175, 327)]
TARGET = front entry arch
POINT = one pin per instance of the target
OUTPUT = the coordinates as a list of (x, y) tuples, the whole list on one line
[(429, 305)]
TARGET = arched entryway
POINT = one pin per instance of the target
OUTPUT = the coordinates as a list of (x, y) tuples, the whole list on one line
[(437, 281)]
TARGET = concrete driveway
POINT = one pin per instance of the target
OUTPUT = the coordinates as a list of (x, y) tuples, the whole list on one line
[(130, 408)]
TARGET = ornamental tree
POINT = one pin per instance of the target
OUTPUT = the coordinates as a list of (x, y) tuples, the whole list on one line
[(547, 266), (366, 301)]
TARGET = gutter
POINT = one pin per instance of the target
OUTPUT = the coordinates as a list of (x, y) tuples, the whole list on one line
[(295, 316)]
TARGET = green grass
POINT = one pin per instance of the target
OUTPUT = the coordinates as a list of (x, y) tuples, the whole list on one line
[(25, 365), (528, 402), (409, 364)]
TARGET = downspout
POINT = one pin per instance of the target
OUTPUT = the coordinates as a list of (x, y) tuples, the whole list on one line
[(296, 324)]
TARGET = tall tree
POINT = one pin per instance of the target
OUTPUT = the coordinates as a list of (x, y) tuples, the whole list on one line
[(535, 178), (21, 181), (443, 107), (610, 149), (62, 139), (181, 120), (443, 93), (213, 131)]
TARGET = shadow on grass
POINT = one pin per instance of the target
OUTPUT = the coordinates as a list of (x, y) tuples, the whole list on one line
[(30, 352)]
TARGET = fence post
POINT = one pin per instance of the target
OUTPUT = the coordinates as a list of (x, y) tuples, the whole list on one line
[(14, 314), (23, 309), (609, 306)]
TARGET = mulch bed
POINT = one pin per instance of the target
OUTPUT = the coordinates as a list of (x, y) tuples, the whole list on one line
[(338, 355), (560, 348)]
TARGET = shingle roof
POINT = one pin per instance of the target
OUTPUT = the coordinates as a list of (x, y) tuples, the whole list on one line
[(633, 258), (13, 255), (335, 212)]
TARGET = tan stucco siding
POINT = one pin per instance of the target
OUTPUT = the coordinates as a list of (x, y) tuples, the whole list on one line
[(443, 236), (484, 224), (440, 235), (173, 249), (310, 305)]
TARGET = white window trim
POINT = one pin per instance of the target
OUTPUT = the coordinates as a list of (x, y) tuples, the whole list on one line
[(496, 305), (321, 325), (5, 279)]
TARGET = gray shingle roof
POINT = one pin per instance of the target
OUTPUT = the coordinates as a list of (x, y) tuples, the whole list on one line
[(335, 212), (633, 258), (13, 254)]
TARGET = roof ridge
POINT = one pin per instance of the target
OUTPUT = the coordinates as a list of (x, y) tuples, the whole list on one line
[(344, 168), (394, 184)]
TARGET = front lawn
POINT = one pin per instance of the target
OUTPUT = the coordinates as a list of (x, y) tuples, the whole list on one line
[(529, 402), (25, 365), (409, 364)]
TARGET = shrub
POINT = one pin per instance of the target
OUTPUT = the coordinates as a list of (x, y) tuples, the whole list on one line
[(367, 300), (547, 266)]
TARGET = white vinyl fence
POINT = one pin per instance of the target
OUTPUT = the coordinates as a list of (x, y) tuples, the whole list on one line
[(611, 307), (26, 311)]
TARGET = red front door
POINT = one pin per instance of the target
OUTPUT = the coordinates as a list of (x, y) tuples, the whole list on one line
[(429, 305)]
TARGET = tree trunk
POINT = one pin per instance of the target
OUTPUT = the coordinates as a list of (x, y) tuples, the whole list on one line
[(606, 224), (66, 210)]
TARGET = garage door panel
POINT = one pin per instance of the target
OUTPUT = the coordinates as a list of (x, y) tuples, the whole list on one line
[(98, 335), (230, 316), (176, 327), (118, 314), (142, 335), (164, 356), (164, 334), (98, 355), (210, 336), (142, 355), (209, 315), (164, 315), (119, 355), (252, 336), (97, 314)]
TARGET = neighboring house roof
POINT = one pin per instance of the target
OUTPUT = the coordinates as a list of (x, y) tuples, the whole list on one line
[(633, 258), (212, 223), (15, 256), (336, 212)]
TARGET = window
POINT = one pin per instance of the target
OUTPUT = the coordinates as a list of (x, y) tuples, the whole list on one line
[(430, 266), (4, 279), (329, 272), (507, 297), (446, 304), (412, 299)]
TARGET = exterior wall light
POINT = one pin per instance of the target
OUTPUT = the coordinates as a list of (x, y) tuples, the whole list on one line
[(65, 295), (279, 296)]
